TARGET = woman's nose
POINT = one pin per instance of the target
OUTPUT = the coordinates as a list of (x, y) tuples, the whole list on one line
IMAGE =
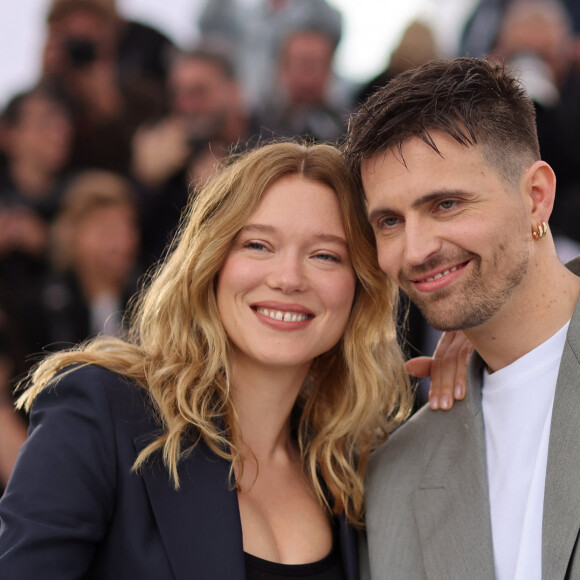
[(288, 274)]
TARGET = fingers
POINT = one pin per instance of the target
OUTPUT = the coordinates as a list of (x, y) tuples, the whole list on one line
[(449, 370), (442, 374), (419, 367), (439, 393), (461, 371)]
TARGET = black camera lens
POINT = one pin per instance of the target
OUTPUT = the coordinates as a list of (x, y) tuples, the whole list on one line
[(80, 51)]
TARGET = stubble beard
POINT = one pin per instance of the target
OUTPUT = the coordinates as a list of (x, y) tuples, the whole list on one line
[(475, 302)]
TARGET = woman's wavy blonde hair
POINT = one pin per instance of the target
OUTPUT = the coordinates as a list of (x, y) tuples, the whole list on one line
[(177, 349)]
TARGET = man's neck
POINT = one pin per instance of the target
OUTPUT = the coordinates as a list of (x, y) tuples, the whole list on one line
[(530, 318)]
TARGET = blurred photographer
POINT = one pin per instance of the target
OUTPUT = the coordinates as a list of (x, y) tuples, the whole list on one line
[(81, 59), (206, 118)]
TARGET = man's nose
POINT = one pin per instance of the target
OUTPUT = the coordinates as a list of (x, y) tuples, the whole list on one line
[(422, 241)]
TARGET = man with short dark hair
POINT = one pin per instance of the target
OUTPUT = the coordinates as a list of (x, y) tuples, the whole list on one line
[(459, 200)]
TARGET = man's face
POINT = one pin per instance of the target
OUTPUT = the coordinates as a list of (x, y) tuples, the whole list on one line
[(306, 67), (449, 230), (201, 94)]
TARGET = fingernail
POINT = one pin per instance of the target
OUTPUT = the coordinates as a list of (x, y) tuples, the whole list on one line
[(445, 402), (434, 402), (458, 391)]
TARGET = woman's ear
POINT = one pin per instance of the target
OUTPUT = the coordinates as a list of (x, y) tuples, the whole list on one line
[(540, 184)]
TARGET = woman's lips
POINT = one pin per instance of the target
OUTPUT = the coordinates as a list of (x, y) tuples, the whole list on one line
[(283, 316)]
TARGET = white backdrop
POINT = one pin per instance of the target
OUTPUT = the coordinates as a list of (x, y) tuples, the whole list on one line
[(371, 30)]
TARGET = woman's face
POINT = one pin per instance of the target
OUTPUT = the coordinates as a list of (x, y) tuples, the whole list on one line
[(286, 289)]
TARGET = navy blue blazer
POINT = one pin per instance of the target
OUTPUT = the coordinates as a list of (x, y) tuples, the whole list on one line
[(74, 509)]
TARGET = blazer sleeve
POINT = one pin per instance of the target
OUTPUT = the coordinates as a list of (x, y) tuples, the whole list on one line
[(61, 495)]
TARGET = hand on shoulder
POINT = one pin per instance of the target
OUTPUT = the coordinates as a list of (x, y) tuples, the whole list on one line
[(447, 369)]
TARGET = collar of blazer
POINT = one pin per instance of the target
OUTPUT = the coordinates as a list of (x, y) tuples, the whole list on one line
[(199, 523), (451, 505), (561, 522)]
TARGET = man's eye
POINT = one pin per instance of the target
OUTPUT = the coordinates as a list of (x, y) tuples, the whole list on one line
[(448, 204), (388, 222)]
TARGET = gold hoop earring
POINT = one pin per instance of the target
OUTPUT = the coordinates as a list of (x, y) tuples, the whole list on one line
[(541, 231)]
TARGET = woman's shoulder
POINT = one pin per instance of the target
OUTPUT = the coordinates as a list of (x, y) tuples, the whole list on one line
[(97, 386), (91, 376), (95, 402)]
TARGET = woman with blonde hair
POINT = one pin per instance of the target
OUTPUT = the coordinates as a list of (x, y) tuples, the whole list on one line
[(95, 266), (227, 436)]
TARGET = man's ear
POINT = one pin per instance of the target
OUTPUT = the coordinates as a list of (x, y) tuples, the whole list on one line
[(540, 184)]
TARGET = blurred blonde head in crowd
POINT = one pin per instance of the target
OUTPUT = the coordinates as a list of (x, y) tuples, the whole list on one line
[(97, 226)]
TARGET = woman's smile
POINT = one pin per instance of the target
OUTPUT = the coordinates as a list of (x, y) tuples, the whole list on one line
[(286, 288)]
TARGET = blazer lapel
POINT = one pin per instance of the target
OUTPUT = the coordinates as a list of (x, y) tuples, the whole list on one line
[(200, 523), (561, 506), (348, 549), (452, 503)]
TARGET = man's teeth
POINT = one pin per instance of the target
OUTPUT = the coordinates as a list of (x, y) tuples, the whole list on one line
[(280, 315), (441, 274)]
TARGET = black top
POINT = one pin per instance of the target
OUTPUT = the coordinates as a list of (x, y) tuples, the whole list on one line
[(329, 568)]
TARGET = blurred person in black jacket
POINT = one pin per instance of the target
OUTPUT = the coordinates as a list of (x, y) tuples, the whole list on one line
[(301, 103), (81, 59), (36, 135)]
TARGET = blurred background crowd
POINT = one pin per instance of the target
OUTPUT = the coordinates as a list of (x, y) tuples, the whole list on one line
[(99, 154)]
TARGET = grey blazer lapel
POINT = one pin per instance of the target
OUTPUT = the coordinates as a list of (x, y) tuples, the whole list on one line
[(561, 499), (200, 523), (452, 503)]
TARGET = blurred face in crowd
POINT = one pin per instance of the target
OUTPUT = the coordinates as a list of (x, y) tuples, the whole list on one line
[(77, 40), (305, 67), (200, 92), (42, 135), (106, 240), (540, 31)]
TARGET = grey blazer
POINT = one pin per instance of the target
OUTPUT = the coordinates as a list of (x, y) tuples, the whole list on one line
[(428, 510)]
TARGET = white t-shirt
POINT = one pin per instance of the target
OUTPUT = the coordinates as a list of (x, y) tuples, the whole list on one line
[(517, 410)]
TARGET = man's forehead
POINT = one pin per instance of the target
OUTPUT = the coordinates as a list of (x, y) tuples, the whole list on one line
[(370, 164), (436, 146)]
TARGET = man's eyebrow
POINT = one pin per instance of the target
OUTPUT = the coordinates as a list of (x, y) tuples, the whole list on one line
[(420, 201)]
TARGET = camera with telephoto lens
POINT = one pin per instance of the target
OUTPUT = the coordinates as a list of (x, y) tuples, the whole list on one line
[(81, 51)]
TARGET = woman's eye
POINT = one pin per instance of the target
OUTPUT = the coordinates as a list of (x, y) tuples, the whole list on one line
[(255, 246), (328, 257)]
